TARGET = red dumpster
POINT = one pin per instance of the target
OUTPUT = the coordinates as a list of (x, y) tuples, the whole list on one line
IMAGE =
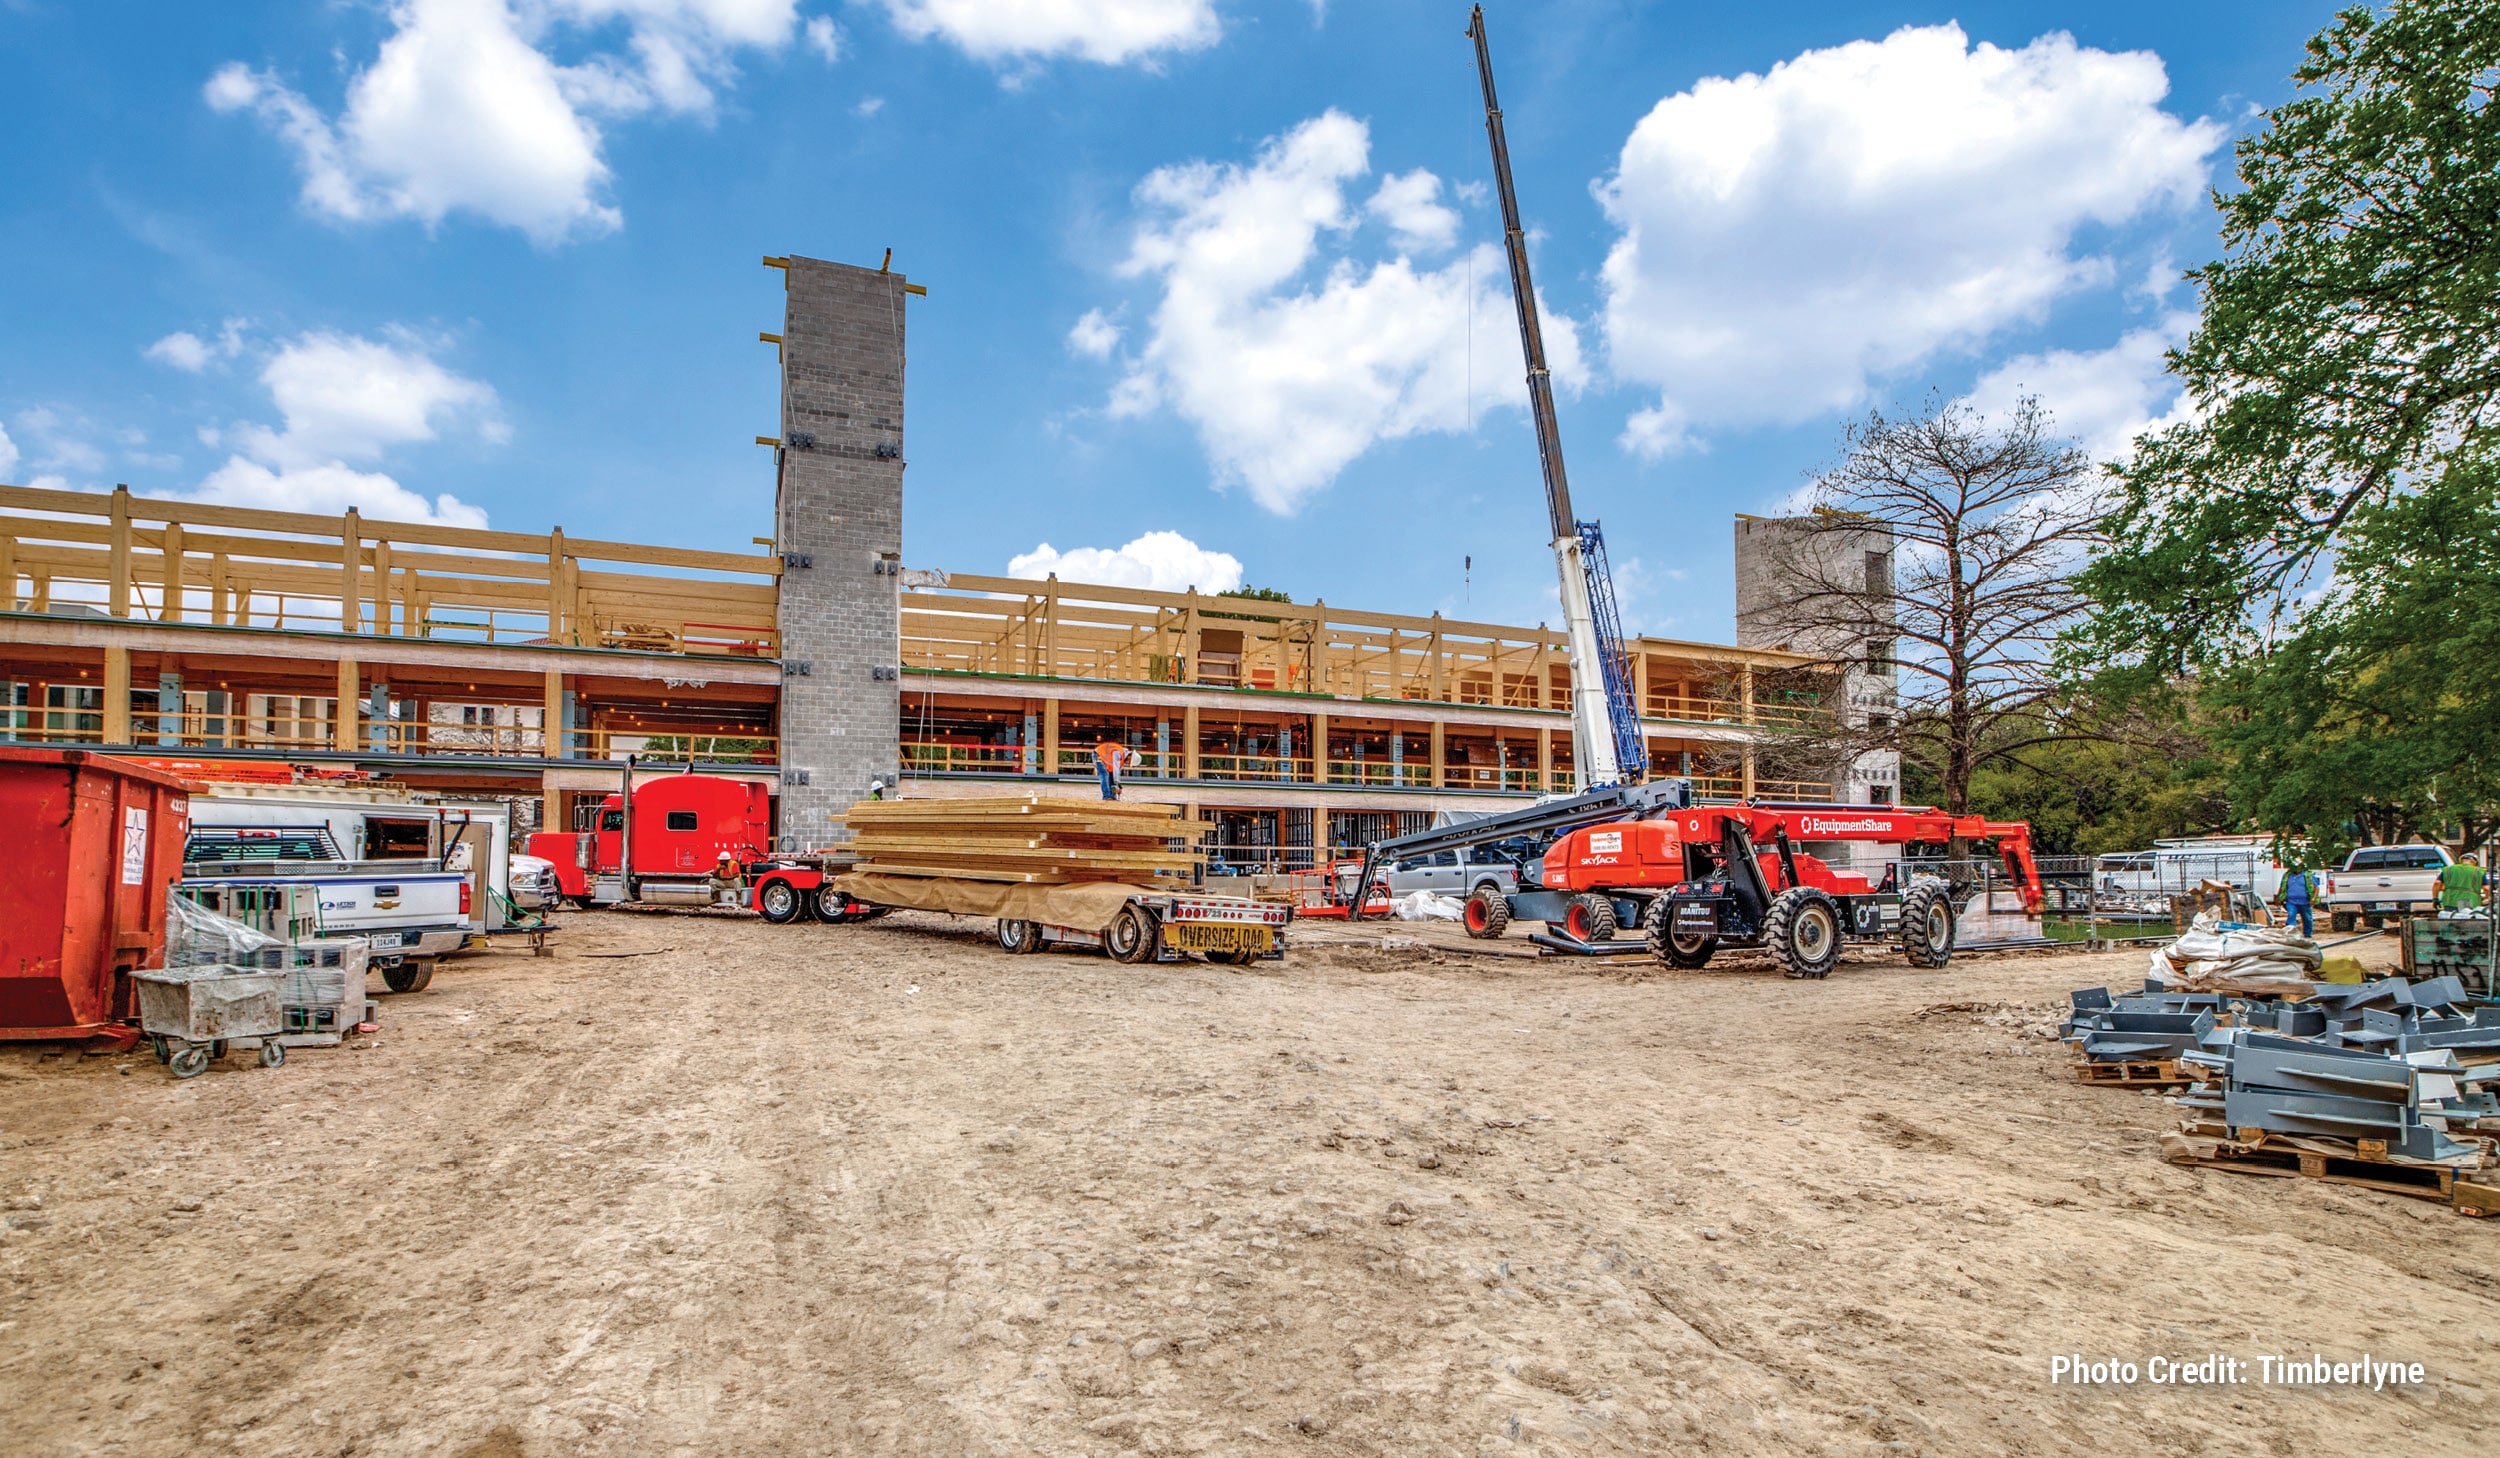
[(94, 844)]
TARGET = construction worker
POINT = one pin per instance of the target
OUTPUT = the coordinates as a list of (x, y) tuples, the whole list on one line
[(727, 877), (2296, 894), (1111, 757), (2460, 889)]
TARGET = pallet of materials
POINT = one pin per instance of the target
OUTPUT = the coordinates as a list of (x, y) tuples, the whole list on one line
[(1027, 839)]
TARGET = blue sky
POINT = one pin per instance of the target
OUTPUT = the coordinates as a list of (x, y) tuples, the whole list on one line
[(1215, 274)]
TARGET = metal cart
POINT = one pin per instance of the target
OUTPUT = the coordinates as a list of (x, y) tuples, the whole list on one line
[(191, 1014)]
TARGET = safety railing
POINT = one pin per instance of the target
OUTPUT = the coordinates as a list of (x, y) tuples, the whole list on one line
[(1015, 627)]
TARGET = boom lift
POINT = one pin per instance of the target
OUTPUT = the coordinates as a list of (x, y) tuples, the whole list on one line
[(1606, 743)]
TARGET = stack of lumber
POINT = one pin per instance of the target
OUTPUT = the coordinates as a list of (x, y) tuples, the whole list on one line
[(1037, 839)]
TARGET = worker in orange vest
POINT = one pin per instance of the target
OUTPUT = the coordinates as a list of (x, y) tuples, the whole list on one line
[(1111, 757)]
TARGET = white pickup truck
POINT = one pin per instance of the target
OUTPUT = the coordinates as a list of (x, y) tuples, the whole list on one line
[(2379, 881)]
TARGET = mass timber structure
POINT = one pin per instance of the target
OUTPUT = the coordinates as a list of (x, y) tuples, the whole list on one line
[(527, 665)]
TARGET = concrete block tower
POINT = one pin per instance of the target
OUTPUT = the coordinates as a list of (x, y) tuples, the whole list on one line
[(838, 524)]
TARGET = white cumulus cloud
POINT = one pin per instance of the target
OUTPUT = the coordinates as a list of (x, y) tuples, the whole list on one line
[(1410, 203), (345, 398), (1287, 381), (1094, 336), (2102, 398), (1159, 561), (1107, 31), (466, 109), (181, 349), (8, 456), (1787, 239)]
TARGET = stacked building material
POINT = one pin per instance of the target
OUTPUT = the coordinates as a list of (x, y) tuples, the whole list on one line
[(324, 989), (2392, 1085), (2213, 955), (1033, 839)]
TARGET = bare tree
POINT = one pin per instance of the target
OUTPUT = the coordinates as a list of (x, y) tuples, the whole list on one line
[(1939, 556)]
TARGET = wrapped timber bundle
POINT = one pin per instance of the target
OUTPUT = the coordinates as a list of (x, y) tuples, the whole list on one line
[(1027, 839)]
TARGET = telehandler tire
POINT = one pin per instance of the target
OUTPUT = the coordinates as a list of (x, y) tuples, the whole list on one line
[(1688, 950), (1802, 932), (1927, 923)]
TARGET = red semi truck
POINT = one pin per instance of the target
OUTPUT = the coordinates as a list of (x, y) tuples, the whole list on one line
[(664, 843)]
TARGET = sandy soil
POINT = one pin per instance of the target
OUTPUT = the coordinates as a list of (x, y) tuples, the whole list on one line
[(884, 1190)]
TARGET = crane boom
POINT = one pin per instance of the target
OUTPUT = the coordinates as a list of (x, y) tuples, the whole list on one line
[(1606, 742)]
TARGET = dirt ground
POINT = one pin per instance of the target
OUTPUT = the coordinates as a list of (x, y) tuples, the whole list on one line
[(701, 1185)]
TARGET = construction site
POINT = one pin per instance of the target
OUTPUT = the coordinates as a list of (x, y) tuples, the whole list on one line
[(497, 993)]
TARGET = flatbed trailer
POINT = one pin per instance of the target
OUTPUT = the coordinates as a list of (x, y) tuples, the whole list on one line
[(1133, 923)]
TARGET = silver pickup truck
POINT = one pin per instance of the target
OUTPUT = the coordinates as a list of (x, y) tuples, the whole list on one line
[(2383, 881), (1456, 873), (412, 908)]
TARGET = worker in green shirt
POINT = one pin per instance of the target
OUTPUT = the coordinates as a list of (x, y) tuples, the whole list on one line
[(2461, 887)]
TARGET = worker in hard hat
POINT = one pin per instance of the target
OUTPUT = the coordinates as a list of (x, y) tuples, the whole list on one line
[(1110, 758), (727, 878)]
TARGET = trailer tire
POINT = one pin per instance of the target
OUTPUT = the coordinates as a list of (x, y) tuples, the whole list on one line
[(1927, 923), (1235, 958), (2339, 921), (1134, 936), (1590, 918), (1691, 951), (1023, 938), (1802, 932), (409, 976), (1487, 914), (780, 902)]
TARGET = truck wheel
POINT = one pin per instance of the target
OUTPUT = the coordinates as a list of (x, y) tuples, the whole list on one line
[(1590, 918), (2339, 921), (1020, 937), (1688, 950), (1133, 937), (1927, 924), (1802, 932), (409, 976), (781, 902), (582, 903), (1487, 914), (825, 904), (1231, 958)]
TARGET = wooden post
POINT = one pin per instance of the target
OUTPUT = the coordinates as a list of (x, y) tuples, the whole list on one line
[(1440, 690), (217, 612), (1438, 779), (1746, 790), (551, 719), (171, 609), (1189, 716), (1744, 712), (117, 594), (1640, 683), (116, 694), (8, 574), (351, 573), (382, 585), (1323, 668), (1050, 736), (555, 584), (1050, 652), (1189, 674), (1544, 760), (343, 719), (1319, 749)]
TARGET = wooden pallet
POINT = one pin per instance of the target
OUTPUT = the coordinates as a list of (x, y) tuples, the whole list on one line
[(2465, 1191), (2157, 1073)]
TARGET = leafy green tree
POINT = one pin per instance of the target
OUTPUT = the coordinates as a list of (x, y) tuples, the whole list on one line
[(2313, 549)]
